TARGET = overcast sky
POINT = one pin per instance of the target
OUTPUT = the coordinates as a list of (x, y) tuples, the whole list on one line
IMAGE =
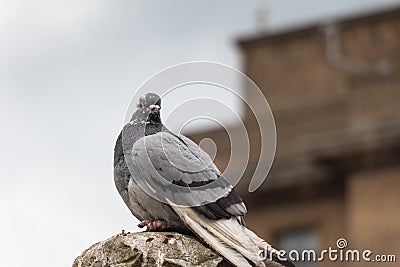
[(68, 71)]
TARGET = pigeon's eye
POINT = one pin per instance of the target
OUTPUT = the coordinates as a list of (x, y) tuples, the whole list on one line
[(139, 105)]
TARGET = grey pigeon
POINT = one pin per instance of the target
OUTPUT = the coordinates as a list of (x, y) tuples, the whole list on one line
[(149, 159)]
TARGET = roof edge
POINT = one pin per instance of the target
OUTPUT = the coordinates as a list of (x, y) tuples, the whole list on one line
[(307, 28)]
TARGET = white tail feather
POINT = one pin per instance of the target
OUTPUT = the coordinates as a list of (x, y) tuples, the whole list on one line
[(261, 243), (228, 237), (228, 253)]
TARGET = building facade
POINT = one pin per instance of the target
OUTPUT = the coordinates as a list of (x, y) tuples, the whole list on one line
[(334, 89)]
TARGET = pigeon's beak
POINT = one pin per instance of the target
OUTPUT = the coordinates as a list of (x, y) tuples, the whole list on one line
[(154, 109)]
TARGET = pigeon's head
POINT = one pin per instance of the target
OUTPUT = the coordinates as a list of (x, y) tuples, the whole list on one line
[(149, 105), (149, 99)]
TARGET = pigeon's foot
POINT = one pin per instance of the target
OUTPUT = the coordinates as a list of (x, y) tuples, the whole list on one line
[(154, 226), (143, 223)]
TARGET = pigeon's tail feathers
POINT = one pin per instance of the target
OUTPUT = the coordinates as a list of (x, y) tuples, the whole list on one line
[(191, 219), (261, 243), (272, 254), (227, 237), (222, 248)]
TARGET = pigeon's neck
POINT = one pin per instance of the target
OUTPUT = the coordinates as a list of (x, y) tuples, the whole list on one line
[(132, 132), (153, 128)]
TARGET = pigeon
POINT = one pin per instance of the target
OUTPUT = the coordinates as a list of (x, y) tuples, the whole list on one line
[(150, 161)]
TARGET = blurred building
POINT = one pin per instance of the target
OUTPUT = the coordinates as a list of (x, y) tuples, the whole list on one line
[(334, 89)]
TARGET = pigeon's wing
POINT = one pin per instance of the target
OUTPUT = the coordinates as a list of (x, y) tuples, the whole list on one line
[(175, 160), (230, 204)]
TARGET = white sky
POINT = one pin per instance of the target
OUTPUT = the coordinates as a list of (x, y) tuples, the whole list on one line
[(68, 70)]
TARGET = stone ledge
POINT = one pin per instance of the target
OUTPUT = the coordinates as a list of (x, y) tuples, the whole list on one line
[(149, 249)]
